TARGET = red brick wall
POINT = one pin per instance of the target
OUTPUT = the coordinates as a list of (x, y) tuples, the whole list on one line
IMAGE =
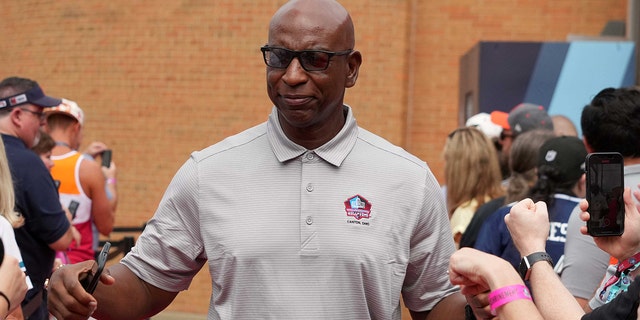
[(158, 80)]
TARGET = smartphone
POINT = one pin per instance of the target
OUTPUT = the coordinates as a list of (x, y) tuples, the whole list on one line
[(106, 158), (73, 207), (91, 279), (605, 185)]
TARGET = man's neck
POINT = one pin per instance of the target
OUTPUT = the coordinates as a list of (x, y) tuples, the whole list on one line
[(63, 144)]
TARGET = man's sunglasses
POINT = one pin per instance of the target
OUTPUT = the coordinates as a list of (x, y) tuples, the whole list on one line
[(311, 60)]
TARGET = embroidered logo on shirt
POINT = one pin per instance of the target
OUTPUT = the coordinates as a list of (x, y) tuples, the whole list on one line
[(358, 207)]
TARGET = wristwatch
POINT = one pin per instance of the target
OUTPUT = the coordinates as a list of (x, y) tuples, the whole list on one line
[(525, 264)]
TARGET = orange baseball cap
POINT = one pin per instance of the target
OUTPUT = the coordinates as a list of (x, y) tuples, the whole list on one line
[(501, 118)]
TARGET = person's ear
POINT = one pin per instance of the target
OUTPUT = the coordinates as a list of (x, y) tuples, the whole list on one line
[(354, 60), (76, 127), (16, 115)]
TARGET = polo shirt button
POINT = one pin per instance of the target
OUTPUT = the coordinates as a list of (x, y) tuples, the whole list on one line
[(309, 220), (310, 156), (310, 187)]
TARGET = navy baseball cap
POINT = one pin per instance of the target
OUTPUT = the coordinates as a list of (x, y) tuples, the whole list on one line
[(34, 96)]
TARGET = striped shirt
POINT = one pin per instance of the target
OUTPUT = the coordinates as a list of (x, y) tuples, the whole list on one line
[(332, 233)]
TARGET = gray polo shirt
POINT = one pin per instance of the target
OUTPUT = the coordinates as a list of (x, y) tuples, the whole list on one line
[(289, 233)]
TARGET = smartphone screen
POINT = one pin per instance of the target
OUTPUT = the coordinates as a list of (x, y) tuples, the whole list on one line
[(605, 185), (106, 158), (90, 282)]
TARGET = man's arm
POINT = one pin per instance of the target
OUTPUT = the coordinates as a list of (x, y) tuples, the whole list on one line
[(63, 242), (553, 300), (451, 307), (477, 272), (584, 262), (92, 180), (528, 223), (113, 298)]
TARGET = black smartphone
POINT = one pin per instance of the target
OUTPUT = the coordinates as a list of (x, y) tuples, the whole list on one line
[(73, 207), (91, 279), (605, 185), (106, 158)]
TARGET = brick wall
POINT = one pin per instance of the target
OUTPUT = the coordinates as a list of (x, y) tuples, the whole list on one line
[(158, 80)]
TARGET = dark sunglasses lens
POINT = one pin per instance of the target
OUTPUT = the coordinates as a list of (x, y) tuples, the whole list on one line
[(314, 60), (279, 58)]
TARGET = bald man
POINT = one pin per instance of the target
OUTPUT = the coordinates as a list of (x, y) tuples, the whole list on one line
[(563, 126), (284, 213)]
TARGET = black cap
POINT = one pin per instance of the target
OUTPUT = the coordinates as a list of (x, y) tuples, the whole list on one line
[(567, 154)]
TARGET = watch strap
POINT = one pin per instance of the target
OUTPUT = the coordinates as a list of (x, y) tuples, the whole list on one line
[(527, 262)]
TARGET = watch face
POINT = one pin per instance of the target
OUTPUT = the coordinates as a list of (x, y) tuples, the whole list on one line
[(523, 268), (525, 264)]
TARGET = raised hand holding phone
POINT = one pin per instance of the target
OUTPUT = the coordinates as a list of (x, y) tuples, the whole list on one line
[(106, 158), (605, 185)]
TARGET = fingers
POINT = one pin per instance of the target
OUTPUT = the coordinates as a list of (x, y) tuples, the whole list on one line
[(66, 297), (584, 205), (528, 224), (525, 204), (95, 148), (13, 282), (636, 195), (631, 210), (480, 305), (540, 207), (63, 307)]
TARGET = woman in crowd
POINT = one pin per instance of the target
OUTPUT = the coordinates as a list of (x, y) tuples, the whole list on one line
[(560, 184), (523, 155), (472, 174)]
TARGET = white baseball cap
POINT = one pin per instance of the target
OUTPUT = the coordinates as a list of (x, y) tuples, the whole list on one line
[(482, 121), (69, 108)]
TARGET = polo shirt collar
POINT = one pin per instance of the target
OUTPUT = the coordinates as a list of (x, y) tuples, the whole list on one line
[(334, 151)]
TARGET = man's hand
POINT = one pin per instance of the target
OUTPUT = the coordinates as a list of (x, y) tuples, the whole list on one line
[(95, 148), (528, 223), (66, 297), (480, 305), (626, 245), (476, 273)]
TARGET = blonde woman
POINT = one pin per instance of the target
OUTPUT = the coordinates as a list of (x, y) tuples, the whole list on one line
[(12, 219), (472, 174)]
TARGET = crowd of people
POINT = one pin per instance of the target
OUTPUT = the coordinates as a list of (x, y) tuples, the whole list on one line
[(42, 227), (580, 276), (505, 238)]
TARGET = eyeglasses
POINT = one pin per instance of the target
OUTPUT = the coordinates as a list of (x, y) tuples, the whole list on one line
[(38, 114), (311, 60)]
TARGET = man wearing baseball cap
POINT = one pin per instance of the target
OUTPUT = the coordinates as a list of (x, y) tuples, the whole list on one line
[(46, 228), (82, 180), (522, 118)]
